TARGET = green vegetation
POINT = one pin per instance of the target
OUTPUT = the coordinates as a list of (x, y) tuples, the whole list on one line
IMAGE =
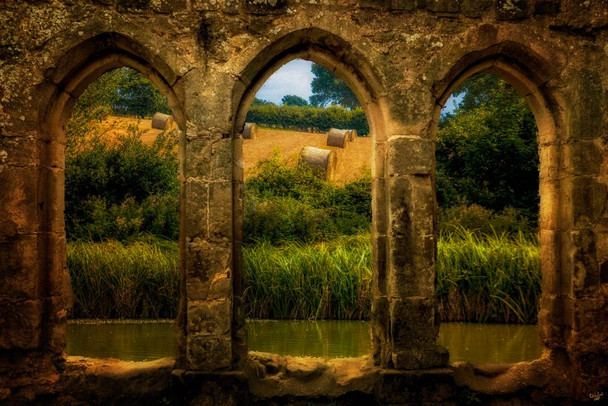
[(112, 280), (282, 204), (303, 118), (328, 89), (487, 150), (307, 251), (493, 278)]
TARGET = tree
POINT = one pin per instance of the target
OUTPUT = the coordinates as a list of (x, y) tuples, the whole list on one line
[(293, 100), (328, 89), (260, 102), (487, 150)]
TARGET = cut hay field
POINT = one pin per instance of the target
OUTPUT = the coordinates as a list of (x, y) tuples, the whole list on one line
[(352, 161)]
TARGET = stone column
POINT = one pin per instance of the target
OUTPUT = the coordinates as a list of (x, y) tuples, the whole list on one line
[(207, 223), (411, 235), (584, 251)]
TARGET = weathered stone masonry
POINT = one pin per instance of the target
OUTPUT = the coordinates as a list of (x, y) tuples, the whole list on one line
[(402, 58)]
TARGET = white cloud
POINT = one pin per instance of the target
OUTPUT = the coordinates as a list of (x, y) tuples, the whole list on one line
[(292, 78)]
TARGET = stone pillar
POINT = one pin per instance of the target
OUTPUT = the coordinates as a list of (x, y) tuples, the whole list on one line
[(584, 254), (414, 320), (207, 225)]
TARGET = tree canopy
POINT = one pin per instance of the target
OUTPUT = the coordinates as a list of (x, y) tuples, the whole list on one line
[(329, 89), (487, 150), (293, 100)]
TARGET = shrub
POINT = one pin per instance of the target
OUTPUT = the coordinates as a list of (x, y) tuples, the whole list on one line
[(302, 118), (482, 221), (283, 203), (123, 189)]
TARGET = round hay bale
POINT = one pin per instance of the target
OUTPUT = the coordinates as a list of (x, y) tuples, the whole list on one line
[(162, 121), (353, 135), (321, 161), (338, 138), (250, 131)]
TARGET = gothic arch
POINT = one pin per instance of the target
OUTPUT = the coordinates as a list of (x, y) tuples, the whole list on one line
[(530, 75)]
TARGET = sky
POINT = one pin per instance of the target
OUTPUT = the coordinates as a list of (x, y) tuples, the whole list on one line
[(292, 78), (295, 77)]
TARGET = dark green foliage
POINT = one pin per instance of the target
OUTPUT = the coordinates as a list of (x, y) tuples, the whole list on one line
[(112, 280), (293, 100), (138, 96), (283, 203), (260, 102), (329, 89), (123, 189), (481, 221), (487, 150), (304, 118)]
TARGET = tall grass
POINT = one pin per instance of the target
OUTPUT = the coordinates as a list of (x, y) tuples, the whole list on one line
[(112, 280), (493, 278), (488, 278), (328, 280)]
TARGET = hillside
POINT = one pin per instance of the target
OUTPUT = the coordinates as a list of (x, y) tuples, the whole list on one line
[(351, 163)]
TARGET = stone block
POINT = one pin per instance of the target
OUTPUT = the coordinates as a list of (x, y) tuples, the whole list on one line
[(432, 356), (546, 7), (474, 8), (208, 353), (265, 6), (419, 387), (206, 265), (379, 206), (51, 202), (20, 324), (168, 6), (379, 265), (410, 156), (375, 4), (198, 157), (220, 210), (512, 9), (442, 6), (585, 198), (209, 317), (583, 157), (411, 270), (411, 206), (18, 201), (550, 261), (414, 323), (19, 267), (549, 207), (54, 264), (379, 158), (221, 159), (585, 271), (403, 5), (196, 206)]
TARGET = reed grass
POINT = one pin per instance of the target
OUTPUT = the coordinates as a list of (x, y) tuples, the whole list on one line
[(328, 280), (488, 278), (493, 278), (113, 280)]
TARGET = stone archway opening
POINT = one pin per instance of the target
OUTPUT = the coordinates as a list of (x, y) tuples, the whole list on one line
[(488, 257), (370, 99), (307, 271), (538, 113), (122, 220), (75, 73)]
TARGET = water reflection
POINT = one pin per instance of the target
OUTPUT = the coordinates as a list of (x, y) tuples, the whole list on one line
[(475, 343)]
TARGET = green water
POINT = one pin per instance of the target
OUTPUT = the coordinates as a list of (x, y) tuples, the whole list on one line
[(475, 343)]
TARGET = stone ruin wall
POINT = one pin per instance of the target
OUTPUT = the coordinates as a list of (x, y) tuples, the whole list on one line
[(402, 58)]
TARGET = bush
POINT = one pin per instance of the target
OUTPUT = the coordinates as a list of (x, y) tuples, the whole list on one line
[(302, 118), (284, 203), (482, 221), (123, 189)]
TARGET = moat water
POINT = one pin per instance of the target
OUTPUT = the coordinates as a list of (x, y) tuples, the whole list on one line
[(140, 341)]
